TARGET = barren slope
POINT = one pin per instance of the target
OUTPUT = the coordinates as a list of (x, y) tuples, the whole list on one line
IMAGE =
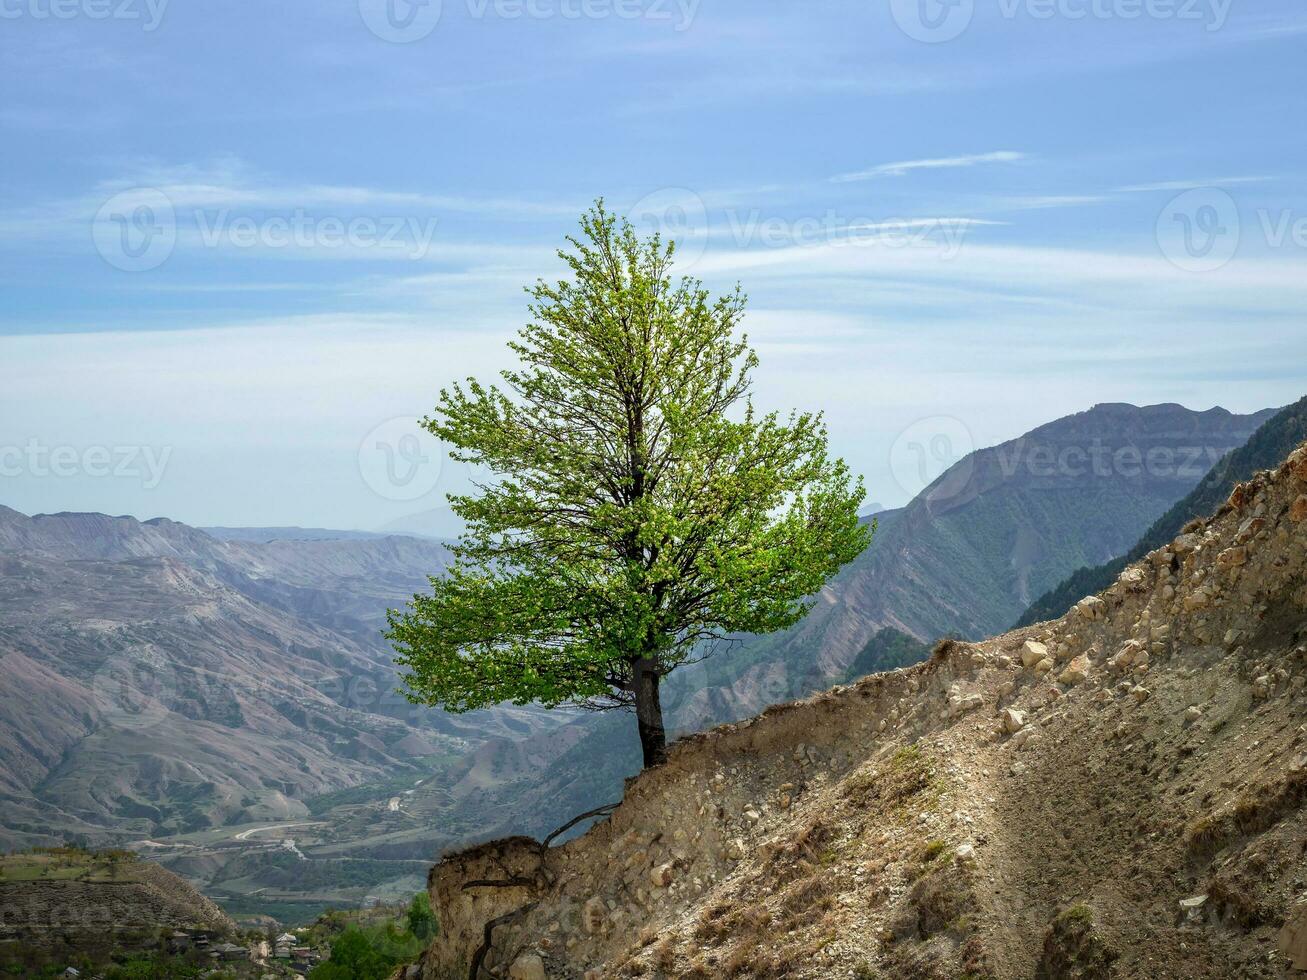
[(92, 899), (970, 552), (1116, 793)]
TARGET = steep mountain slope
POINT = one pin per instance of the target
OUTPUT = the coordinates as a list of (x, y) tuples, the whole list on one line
[(211, 682), (1269, 444), (1069, 488), (1122, 792), (158, 683), (967, 555)]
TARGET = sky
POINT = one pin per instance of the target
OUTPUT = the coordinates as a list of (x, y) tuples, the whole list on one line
[(243, 245)]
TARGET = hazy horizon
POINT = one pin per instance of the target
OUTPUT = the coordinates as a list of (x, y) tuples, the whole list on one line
[(250, 245)]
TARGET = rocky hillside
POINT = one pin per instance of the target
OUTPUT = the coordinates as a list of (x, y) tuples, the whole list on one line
[(160, 685), (70, 897), (1119, 793), (971, 551)]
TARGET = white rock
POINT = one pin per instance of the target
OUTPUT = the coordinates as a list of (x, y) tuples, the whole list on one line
[(1032, 652), (1075, 672), (528, 966), (1091, 607), (1293, 937), (1019, 739), (1192, 908), (593, 915), (1013, 720)]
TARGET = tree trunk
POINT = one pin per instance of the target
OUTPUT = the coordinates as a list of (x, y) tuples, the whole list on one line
[(649, 713)]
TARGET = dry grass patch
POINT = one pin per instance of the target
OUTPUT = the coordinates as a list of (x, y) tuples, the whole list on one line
[(1257, 810)]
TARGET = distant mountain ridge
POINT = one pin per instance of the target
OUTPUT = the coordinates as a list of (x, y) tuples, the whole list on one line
[(266, 534), (1277, 436), (967, 555), (159, 684), (155, 680)]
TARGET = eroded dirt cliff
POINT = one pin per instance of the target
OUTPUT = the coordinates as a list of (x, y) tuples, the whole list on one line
[(1116, 793)]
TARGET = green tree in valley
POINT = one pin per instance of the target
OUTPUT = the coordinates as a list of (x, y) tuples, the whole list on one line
[(639, 508), (421, 920), (367, 954)]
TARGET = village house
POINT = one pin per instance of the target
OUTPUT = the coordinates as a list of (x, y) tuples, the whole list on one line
[(229, 951), (283, 944)]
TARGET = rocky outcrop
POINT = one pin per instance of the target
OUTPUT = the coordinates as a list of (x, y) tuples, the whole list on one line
[(1042, 803), (142, 898)]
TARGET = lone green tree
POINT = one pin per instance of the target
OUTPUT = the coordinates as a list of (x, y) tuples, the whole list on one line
[(638, 507)]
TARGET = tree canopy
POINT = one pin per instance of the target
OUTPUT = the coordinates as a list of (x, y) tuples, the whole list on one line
[(639, 505)]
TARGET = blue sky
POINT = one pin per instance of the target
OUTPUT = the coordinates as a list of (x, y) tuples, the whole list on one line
[(239, 241)]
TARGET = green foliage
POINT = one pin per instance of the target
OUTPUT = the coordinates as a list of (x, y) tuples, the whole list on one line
[(154, 968), (888, 649), (420, 919), (368, 954), (639, 504), (102, 956), (1266, 448)]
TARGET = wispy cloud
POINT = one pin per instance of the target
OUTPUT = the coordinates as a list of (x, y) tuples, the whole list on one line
[(230, 189), (1187, 185), (901, 167), (1041, 202)]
